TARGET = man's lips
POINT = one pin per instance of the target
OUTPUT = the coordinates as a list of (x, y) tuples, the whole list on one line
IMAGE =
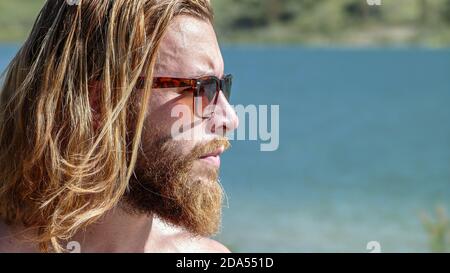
[(213, 157)]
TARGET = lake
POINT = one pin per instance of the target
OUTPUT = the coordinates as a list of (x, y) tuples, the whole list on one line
[(364, 148)]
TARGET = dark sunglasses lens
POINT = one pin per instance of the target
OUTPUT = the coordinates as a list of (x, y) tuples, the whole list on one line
[(209, 89), (227, 86)]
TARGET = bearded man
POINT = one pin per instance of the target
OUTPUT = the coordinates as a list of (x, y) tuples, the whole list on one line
[(94, 148)]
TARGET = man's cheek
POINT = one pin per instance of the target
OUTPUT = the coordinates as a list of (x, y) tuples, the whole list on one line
[(185, 126)]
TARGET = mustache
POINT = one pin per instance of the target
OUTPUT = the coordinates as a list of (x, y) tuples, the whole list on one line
[(168, 150), (210, 147)]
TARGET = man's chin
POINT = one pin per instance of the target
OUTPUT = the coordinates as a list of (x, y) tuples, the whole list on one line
[(194, 204), (197, 209), (183, 191)]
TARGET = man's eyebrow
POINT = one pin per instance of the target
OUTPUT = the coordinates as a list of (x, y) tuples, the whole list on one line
[(208, 74)]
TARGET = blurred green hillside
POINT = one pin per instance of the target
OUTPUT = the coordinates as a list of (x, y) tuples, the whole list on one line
[(17, 18), (312, 22), (330, 22)]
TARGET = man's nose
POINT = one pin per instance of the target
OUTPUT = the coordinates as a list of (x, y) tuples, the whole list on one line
[(224, 119)]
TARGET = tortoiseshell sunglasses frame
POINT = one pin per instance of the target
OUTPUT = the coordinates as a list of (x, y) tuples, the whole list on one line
[(195, 85)]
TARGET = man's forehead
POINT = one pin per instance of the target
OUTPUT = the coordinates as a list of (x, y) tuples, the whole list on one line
[(189, 49)]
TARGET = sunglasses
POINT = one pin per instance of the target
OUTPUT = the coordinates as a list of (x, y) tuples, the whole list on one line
[(206, 88)]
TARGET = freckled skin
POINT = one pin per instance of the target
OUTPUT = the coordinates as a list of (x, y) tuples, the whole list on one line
[(189, 49)]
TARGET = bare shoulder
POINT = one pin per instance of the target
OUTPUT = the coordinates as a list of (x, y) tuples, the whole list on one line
[(174, 239), (7, 242), (5, 238), (10, 241), (191, 243)]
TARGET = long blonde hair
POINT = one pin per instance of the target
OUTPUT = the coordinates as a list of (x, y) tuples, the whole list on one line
[(60, 171)]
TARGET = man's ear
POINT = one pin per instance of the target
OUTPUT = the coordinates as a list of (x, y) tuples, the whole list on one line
[(95, 89)]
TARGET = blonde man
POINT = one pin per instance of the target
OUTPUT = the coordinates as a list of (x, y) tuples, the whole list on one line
[(88, 152)]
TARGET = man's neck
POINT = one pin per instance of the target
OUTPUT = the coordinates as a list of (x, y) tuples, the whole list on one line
[(116, 231)]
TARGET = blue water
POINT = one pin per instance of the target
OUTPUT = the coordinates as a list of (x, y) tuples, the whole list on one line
[(364, 148)]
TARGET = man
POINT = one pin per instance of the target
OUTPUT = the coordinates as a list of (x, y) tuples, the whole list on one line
[(114, 115)]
